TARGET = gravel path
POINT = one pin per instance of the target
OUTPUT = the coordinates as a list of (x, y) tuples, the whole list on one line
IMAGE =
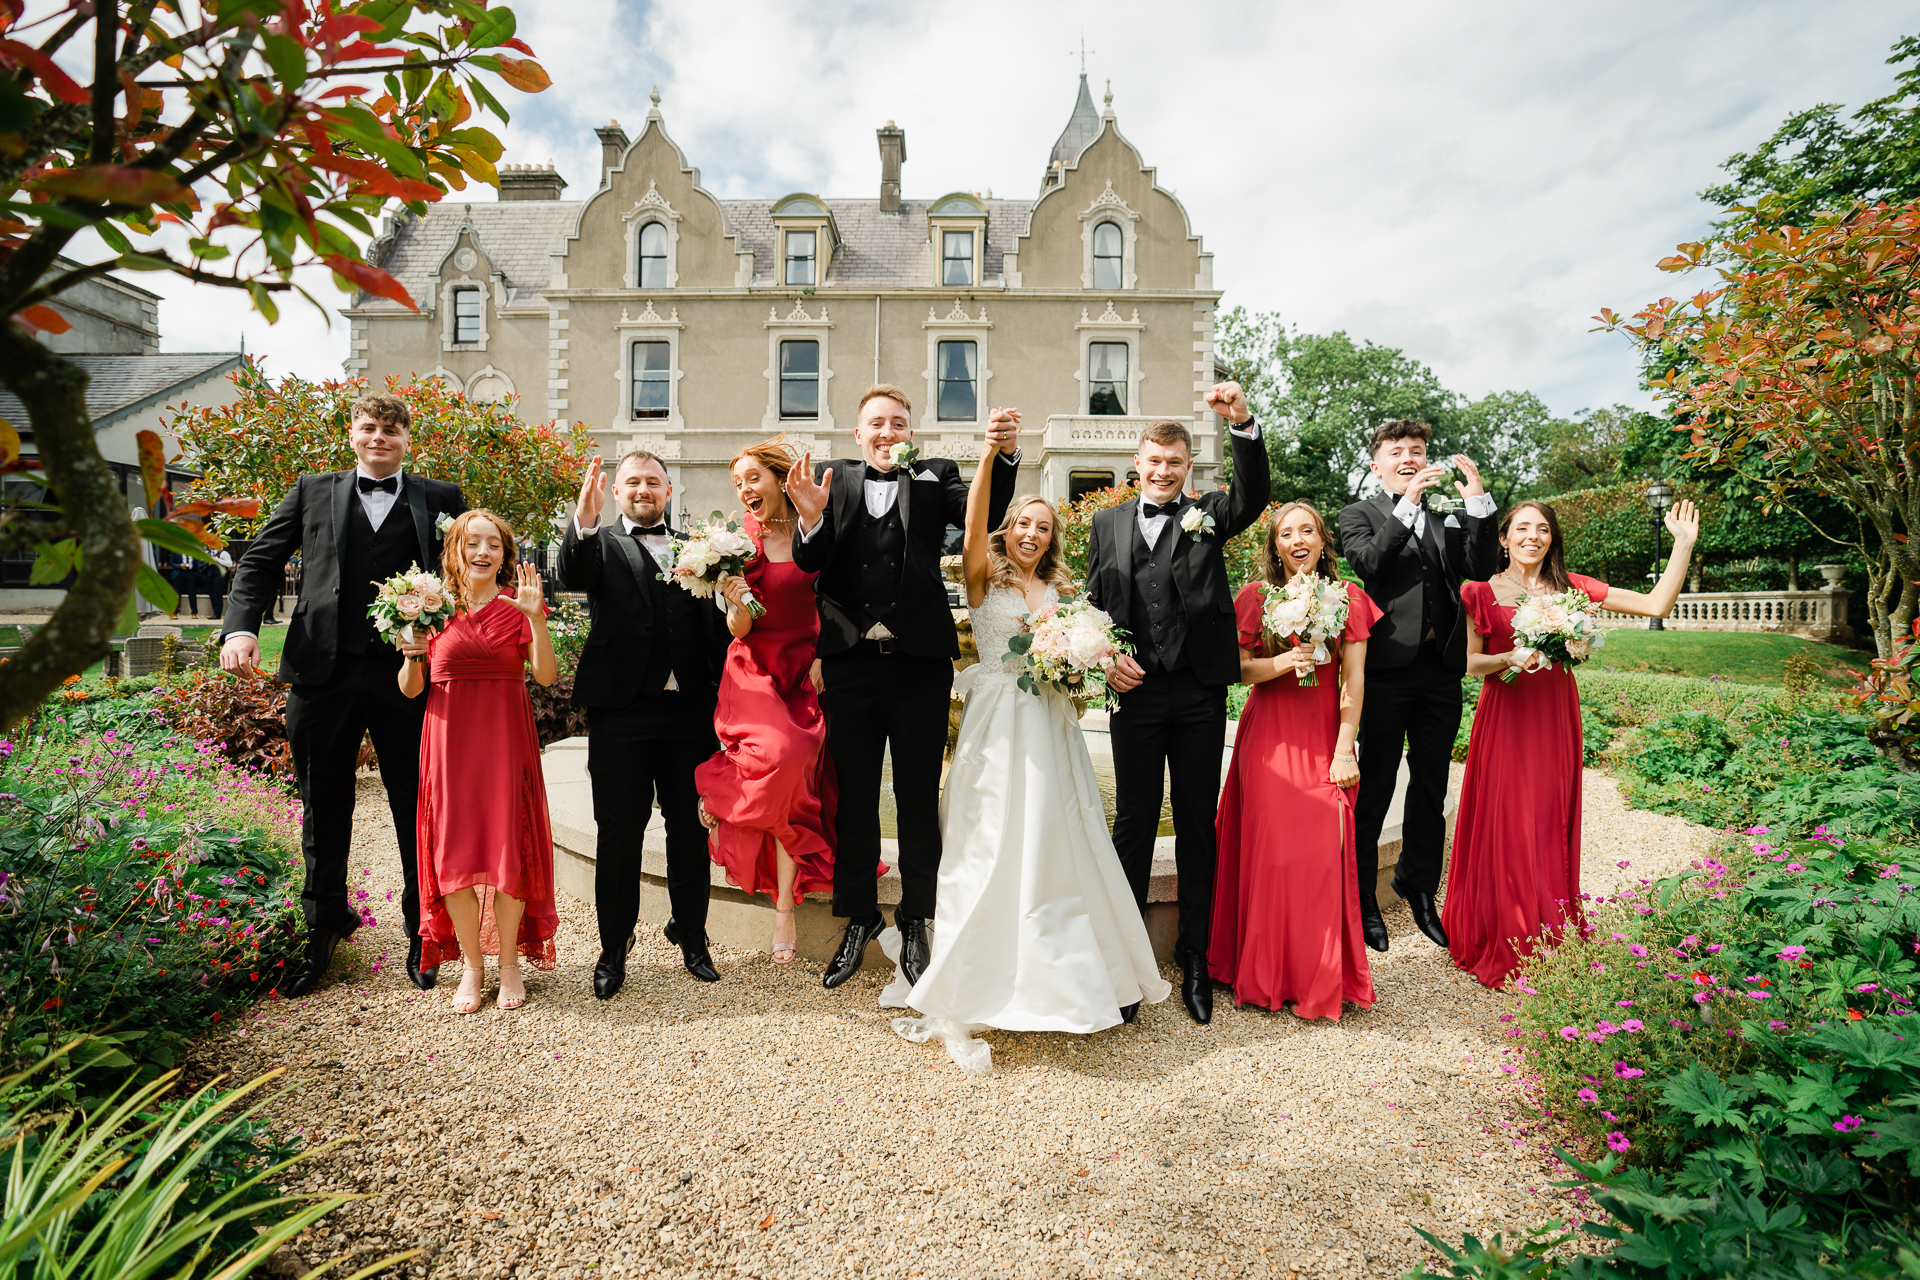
[(767, 1127)]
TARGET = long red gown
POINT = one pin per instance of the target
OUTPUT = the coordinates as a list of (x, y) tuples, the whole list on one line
[(1286, 897), (483, 799), (772, 779), (1514, 874)]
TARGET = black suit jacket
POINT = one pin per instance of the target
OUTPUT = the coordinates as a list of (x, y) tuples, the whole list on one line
[(1385, 554), (627, 604), (312, 519), (922, 621), (1199, 567)]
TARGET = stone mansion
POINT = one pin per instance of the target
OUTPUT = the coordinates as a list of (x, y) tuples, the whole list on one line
[(669, 320)]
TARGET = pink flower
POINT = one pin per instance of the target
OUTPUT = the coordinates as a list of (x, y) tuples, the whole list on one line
[(1617, 1141), (1759, 995), (1633, 1024), (1624, 1072), (1587, 1095), (1637, 949), (1847, 1124), (1868, 986), (1569, 1033), (1776, 1026), (1792, 953)]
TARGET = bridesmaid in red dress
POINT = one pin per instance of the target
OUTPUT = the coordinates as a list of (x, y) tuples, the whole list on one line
[(1286, 899), (1514, 875), (486, 847), (768, 793)]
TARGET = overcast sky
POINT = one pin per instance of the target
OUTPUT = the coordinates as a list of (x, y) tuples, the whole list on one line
[(1468, 181)]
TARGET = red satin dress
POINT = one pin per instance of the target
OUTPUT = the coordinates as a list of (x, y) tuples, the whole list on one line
[(772, 779), (483, 799), (1286, 896), (1514, 874)]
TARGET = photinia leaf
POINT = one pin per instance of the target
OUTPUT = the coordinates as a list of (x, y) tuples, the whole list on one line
[(524, 74), (45, 318), (111, 184), (9, 441), (54, 562), (153, 465), (57, 82)]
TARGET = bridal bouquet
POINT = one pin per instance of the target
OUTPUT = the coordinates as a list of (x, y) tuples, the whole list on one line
[(1308, 609), (711, 553), (1068, 645), (1559, 627), (414, 599)]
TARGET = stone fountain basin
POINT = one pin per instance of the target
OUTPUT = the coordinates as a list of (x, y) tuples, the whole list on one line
[(737, 920)]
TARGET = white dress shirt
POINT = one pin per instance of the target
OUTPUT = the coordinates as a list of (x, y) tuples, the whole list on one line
[(1479, 506), (378, 502), (658, 545), (1150, 529)]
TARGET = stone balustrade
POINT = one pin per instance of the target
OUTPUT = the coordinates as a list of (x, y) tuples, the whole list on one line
[(1816, 615)]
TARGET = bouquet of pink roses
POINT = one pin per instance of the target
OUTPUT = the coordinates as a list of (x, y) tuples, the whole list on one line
[(1068, 645), (411, 603), (1559, 627)]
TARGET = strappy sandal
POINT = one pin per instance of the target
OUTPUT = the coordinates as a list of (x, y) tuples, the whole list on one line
[(478, 1000), (783, 952), (503, 1002)]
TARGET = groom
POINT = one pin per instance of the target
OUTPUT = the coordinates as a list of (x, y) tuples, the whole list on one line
[(873, 530), (1155, 565), (1412, 558)]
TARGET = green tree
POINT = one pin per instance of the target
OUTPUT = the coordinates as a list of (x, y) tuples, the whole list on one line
[(1586, 452), (224, 143), (1506, 434)]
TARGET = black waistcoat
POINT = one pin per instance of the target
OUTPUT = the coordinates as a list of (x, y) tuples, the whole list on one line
[(677, 646), (1158, 624), (369, 557), (879, 551), (1436, 594)]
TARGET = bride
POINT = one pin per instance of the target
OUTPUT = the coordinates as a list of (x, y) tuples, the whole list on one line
[(1035, 927)]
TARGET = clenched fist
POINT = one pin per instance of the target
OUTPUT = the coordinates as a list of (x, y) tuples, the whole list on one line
[(1227, 400)]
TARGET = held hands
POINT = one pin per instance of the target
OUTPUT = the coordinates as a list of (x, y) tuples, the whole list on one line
[(241, 654), (1683, 522), (1227, 400), (1125, 674), (1003, 432), (808, 495), (819, 680), (593, 496), (527, 594)]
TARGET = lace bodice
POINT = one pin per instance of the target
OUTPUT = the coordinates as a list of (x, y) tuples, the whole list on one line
[(997, 620)]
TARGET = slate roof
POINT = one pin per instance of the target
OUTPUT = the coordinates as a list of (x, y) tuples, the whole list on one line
[(123, 384), (1083, 126), (518, 235)]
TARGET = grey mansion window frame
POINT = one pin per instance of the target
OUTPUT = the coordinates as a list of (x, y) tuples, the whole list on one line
[(469, 306), (957, 374), (799, 377), (652, 378), (1107, 370)]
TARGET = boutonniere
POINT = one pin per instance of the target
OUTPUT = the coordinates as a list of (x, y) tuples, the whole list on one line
[(1196, 521), (904, 455), (442, 523), (1443, 503)]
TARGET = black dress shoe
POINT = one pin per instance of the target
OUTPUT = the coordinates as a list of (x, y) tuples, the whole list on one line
[(693, 951), (1196, 987), (1372, 927), (421, 978), (1128, 1012), (314, 964), (853, 949), (913, 948), (610, 972), (1425, 917)]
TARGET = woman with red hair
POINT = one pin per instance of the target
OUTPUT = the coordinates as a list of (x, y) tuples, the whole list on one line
[(486, 844)]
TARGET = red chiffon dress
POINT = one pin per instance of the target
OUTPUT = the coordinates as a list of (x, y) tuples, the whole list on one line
[(772, 779), (1514, 874), (1286, 897), (483, 799)]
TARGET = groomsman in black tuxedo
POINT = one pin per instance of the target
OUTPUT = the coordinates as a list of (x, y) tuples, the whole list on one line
[(873, 529), (649, 677), (353, 529), (1412, 559), (1155, 564)]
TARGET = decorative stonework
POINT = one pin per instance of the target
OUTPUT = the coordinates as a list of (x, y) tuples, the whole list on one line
[(957, 318), (1109, 207), (649, 318), (798, 316), (652, 207), (659, 446), (1110, 318)]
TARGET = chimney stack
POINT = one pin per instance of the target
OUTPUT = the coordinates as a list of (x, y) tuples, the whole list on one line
[(530, 182), (613, 145), (893, 152)]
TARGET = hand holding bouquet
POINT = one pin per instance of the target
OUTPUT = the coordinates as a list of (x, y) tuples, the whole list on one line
[(409, 606), (1069, 645), (1555, 628), (714, 551), (1309, 610)]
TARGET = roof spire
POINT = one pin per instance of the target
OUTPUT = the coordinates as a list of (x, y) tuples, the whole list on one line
[(653, 112), (1108, 101), (1082, 127)]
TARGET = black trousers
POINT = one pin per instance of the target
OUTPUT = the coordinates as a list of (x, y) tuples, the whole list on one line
[(878, 704), (637, 755), (1171, 727), (1418, 705), (325, 724)]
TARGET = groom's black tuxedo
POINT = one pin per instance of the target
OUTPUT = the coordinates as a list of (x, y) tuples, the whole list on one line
[(889, 695), (1416, 657), (343, 675), (1177, 606)]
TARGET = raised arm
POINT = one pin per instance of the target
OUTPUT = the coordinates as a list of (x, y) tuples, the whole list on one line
[(1683, 522), (808, 492), (973, 546), (1252, 485)]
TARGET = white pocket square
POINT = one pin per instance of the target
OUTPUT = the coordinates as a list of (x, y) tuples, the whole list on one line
[(1453, 522), (923, 475)]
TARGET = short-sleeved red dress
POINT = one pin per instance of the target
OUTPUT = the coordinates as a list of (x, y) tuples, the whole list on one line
[(1286, 897), (1514, 873), (483, 800)]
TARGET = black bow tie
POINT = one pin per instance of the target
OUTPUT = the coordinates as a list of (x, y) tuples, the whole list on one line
[(649, 531), (884, 477), (390, 485), (1152, 509)]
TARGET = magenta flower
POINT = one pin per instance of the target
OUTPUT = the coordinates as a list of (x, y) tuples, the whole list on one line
[(1633, 1024), (1792, 953), (1569, 1033), (1624, 1072), (1623, 1004), (1847, 1124), (1776, 1026), (1759, 995), (1617, 1141), (1637, 949), (1868, 986), (1587, 1095)]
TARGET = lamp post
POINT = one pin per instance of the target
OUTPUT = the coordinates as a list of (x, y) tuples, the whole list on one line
[(1659, 498)]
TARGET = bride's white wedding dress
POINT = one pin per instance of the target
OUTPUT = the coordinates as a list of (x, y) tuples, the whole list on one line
[(1036, 928)]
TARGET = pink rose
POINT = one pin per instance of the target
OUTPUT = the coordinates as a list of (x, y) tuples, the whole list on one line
[(409, 605), (1577, 650)]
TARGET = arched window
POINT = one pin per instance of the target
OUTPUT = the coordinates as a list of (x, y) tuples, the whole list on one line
[(1106, 256), (653, 256)]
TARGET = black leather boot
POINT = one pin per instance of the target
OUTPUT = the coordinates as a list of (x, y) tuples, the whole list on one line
[(421, 978), (610, 972)]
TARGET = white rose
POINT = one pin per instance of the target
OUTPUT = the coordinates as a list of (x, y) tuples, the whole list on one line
[(1577, 650), (1553, 617), (1288, 617)]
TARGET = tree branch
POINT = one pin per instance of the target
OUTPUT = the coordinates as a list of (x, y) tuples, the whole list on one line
[(106, 44)]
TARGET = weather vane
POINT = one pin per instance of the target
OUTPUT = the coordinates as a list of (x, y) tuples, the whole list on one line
[(1083, 51)]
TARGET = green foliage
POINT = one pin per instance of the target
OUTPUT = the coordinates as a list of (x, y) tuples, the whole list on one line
[(245, 715), (555, 717), (1890, 693), (1588, 451)]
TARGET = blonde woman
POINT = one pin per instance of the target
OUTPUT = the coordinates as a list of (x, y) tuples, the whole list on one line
[(486, 843), (1035, 926)]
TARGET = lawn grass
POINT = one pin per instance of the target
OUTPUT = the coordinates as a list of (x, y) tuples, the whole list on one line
[(1745, 657), (272, 640)]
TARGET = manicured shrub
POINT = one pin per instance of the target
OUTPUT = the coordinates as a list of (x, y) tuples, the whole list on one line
[(246, 716)]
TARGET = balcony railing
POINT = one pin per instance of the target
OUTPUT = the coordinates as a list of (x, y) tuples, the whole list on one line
[(1817, 615)]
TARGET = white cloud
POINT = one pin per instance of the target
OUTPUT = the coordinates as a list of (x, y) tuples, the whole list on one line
[(1470, 181)]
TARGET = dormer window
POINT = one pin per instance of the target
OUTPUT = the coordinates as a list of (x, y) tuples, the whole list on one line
[(956, 257), (468, 306), (1108, 256), (800, 258), (653, 256)]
